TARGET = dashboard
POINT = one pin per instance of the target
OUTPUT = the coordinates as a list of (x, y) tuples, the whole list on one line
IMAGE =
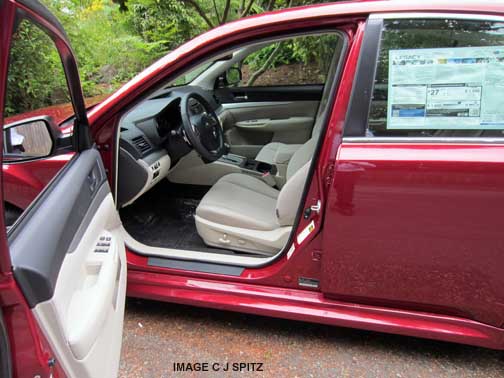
[(151, 141)]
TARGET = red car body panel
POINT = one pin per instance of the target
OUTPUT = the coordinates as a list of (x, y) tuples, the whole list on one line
[(397, 199), (432, 214), (29, 348), (308, 306), (23, 182)]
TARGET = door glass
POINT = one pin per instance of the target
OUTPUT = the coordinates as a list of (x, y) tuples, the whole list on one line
[(439, 78), (37, 100), (295, 61)]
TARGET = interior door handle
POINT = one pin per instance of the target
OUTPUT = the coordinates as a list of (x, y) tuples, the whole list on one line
[(241, 98)]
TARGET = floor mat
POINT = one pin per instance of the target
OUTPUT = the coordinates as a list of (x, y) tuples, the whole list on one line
[(164, 217)]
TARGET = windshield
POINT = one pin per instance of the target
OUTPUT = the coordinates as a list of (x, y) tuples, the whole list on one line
[(188, 77)]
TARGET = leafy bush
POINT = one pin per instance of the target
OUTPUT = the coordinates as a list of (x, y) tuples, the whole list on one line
[(36, 77)]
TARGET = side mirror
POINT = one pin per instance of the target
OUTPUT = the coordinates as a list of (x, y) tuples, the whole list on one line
[(233, 76), (29, 139)]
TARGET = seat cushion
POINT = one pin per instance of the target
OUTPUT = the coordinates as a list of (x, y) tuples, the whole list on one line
[(239, 200)]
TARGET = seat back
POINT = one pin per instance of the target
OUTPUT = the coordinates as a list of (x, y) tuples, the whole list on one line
[(290, 195)]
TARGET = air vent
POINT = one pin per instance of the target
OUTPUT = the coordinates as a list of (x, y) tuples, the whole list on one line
[(141, 144)]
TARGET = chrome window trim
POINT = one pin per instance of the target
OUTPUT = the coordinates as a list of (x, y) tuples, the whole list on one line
[(447, 140), (454, 15)]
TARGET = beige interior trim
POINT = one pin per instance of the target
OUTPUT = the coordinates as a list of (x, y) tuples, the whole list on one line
[(83, 321), (287, 124), (191, 169), (163, 166)]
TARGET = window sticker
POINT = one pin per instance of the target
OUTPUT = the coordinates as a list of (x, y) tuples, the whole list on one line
[(457, 88)]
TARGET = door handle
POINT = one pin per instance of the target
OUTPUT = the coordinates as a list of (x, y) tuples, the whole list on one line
[(241, 98)]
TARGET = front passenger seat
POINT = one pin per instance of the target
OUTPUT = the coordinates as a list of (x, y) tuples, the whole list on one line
[(276, 153), (243, 213)]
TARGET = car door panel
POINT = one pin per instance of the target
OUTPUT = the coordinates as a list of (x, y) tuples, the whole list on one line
[(423, 212), (270, 93), (288, 122), (246, 105), (75, 278), (416, 214)]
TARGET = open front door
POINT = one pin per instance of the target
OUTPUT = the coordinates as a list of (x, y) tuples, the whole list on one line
[(69, 261), (65, 251)]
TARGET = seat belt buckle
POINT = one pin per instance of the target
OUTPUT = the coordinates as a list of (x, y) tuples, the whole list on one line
[(268, 179)]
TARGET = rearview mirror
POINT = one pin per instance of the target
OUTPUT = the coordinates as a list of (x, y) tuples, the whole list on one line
[(28, 139)]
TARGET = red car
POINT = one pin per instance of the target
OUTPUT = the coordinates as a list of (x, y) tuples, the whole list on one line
[(364, 190)]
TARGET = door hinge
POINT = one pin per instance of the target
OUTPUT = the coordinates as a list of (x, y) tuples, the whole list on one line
[(311, 283)]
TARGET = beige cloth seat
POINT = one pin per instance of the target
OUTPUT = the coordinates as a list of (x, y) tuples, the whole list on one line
[(241, 201), (243, 213), (277, 153)]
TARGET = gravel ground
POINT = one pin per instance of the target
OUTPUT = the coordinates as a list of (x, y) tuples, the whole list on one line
[(158, 334)]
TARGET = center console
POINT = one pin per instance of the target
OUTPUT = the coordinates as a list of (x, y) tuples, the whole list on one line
[(191, 169), (264, 171), (249, 166)]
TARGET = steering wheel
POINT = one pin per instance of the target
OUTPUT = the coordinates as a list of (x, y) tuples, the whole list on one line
[(202, 127)]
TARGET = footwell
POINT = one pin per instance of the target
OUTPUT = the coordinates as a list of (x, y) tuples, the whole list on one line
[(164, 217)]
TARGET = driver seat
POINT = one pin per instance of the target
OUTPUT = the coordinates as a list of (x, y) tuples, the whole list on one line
[(243, 213)]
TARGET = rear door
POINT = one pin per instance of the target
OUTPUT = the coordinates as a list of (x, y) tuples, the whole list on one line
[(415, 208), (277, 97), (66, 251)]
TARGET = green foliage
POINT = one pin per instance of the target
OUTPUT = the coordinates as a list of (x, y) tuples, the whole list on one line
[(36, 77), (167, 22), (108, 52), (315, 50)]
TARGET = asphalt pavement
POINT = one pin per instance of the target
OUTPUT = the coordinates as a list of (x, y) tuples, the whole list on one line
[(160, 338)]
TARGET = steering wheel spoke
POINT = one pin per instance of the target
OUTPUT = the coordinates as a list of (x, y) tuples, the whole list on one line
[(202, 127)]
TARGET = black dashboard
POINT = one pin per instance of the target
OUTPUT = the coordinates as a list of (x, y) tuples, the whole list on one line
[(148, 127), (152, 141)]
